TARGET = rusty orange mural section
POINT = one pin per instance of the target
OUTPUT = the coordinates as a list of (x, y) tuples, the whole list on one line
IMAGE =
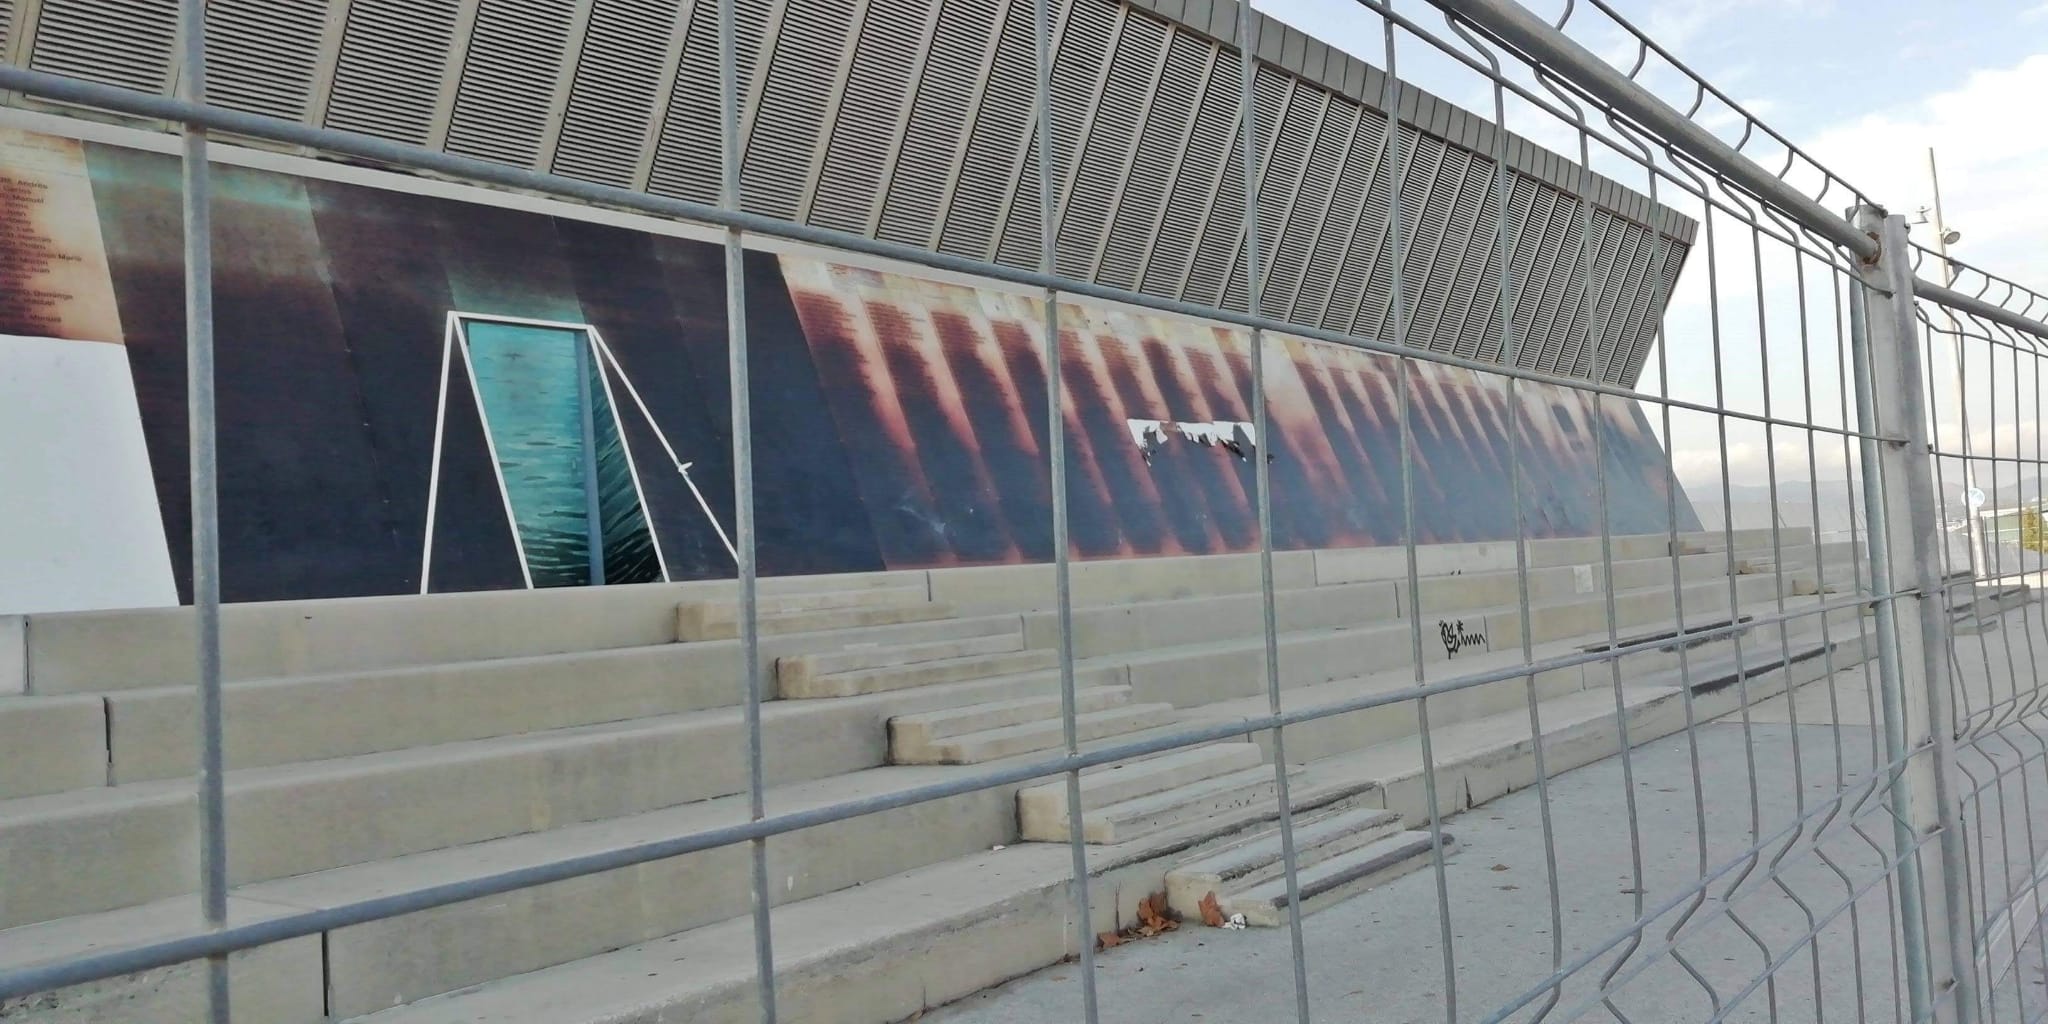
[(939, 392)]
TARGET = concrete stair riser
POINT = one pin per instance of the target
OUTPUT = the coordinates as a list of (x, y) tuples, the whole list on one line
[(699, 622), (916, 674), (1045, 735), (796, 668), (1558, 583), (1260, 858), (1339, 734), (1749, 539), (279, 983), (1027, 588), (285, 721), (376, 965), (1467, 780), (122, 847), (1135, 627), (77, 652), (929, 727), (1174, 808), (51, 744), (1042, 808), (1332, 881)]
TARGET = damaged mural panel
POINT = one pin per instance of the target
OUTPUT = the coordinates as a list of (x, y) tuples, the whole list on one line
[(899, 422), (950, 380)]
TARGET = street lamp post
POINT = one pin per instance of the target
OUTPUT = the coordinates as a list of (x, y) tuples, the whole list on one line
[(1972, 525)]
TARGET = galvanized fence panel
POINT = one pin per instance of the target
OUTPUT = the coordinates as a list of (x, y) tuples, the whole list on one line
[(1878, 859)]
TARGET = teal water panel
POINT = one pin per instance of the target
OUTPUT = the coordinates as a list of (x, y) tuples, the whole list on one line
[(526, 382)]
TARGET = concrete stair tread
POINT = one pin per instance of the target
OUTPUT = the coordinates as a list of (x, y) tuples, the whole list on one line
[(881, 655), (698, 623), (1113, 783), (1317, 837), (959, 721), (1048, 734), (1178, 807), (712, 966), (922, 673), (1329, 880)]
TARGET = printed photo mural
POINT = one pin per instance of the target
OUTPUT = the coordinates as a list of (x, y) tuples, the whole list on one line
[(419, 392)]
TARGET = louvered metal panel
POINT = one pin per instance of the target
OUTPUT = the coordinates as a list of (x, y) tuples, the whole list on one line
[(1198, 175), (1486, 342), (1286, 122), (388, 75), (686, 159), (1340, 218), (618, 78), (1325, 131), (6, 25), (1087, 38), (788, 128), (1155, 160), (117, 42), (865, 127), (1103, 169), (948, 90), (996, 144), (262, 55), (1466, 300), (505, 95), (916, 122), (1458, 199)]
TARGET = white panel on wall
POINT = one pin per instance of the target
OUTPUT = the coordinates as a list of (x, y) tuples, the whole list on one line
[(80, 527)]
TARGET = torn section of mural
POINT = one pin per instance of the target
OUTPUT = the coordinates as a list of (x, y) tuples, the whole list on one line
[(424, 393)]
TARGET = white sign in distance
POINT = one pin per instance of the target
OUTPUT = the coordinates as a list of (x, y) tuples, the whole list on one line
[(1974, 497)]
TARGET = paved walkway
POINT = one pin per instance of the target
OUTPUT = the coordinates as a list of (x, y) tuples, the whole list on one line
[(1379, 957)]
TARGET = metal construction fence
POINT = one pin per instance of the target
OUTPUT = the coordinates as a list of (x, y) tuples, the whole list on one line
[(1889, 870)]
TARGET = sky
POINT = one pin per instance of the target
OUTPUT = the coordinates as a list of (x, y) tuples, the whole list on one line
[(1865, 87)]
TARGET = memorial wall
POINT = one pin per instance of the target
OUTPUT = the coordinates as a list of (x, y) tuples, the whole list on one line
[(423, 392)]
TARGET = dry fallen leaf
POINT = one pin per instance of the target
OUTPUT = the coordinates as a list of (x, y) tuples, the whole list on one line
[(1212, 913), (1499, 867), (1108, 939)]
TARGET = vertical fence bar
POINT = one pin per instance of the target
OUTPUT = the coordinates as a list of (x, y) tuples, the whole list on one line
[(1897, 379), (1877, 528), (198, 211), (743, 493), (1247, 46), (1056, 441), (1398, 320)]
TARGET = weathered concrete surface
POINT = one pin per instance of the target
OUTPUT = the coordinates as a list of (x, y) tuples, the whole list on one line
[(1379, 957)]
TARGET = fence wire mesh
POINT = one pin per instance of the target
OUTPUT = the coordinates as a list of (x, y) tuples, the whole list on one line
[(1782, 766)]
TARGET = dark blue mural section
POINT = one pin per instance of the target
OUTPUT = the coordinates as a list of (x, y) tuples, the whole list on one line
[(898, 422)]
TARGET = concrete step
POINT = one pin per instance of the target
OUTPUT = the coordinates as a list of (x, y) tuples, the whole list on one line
[(1181, 807), (1045, 734), (153, 732), (881, 952), (920, 673), (92, 652), (1333, 880), (719, 620), (928, 727), (98, 849), (1261, 857), (1042, 809), (868, 654), (51, 744)]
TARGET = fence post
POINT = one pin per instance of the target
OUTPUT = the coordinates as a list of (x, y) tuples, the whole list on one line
[(1910, 538)]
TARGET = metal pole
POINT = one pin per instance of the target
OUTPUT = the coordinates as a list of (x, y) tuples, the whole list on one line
[(593, 509), (1055, 432), (1973, 525), (1262, 480), (1890, 687), (743, 492), (1897, 380), (197, 197)]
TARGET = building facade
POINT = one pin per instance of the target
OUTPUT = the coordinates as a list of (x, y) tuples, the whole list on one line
[(431, 386)]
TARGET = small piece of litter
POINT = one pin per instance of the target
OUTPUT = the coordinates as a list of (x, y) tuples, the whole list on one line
[(996, 847), (1235, 924)]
